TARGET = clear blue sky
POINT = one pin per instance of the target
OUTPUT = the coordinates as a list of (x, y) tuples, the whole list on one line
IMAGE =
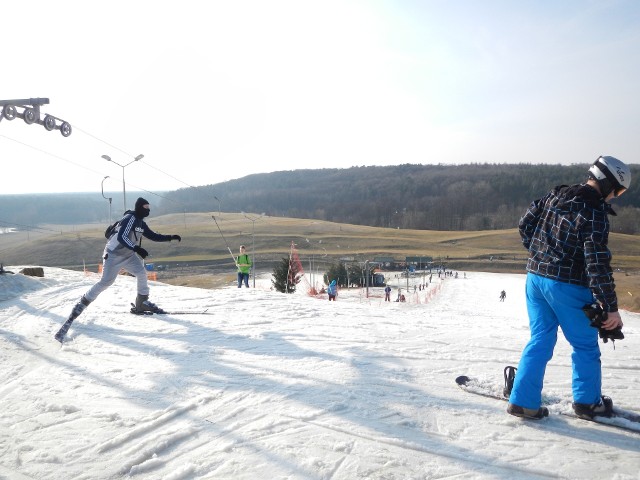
[(210, 91)]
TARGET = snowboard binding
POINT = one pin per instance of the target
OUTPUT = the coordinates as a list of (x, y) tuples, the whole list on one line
[(509, 378)]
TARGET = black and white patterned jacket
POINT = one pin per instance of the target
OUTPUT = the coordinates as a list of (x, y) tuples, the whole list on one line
[(566, 233)]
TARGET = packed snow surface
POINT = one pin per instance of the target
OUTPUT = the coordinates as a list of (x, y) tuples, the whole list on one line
[(273, 386)]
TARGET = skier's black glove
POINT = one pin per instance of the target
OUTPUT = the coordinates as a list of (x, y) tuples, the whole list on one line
[(140, 251), (596, 317), (176, 237)]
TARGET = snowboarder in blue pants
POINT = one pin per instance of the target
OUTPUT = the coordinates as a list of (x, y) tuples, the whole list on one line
[(566, 233)]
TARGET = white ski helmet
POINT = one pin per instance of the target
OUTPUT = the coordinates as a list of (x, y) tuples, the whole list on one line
[(611, 174)]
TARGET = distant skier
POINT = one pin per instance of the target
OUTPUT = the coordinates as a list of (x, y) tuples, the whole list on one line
[(566, 233), (244, 267), (387, 293), (503, 295), (123, 252), (332, 290)]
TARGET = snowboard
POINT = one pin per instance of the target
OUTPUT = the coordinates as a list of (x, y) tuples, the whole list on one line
[(621, 419)]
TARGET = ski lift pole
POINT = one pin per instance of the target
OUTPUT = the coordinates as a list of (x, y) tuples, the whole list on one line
[(225, 240), (289, 269), (366, 269)]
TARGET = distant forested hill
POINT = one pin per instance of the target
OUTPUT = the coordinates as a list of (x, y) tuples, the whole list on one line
[(22, 211), (431, 197)]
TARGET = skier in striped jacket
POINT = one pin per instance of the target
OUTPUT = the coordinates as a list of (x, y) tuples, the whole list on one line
[(123, 251)]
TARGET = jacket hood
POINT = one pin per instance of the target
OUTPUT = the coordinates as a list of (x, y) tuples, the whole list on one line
[(575, 196), (139, 209)]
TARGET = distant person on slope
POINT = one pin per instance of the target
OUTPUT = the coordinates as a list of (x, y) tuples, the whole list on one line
[(387, 293), (503, 295), (566, 233), (332, 290), (123, 251), (244, 267)]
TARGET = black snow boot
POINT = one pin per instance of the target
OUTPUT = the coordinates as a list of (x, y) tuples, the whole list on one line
[(604, 408), (75, 313), (143, 305), (531, 413)]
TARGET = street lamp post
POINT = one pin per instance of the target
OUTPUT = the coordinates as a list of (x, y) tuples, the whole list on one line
[(124, 190), (110, 199), (253, 243)]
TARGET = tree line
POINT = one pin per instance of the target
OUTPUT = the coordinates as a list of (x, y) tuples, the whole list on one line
[(426, 197), (429, 197)]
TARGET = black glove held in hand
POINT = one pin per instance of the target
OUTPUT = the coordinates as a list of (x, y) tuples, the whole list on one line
[(176, 237), (140, 251)]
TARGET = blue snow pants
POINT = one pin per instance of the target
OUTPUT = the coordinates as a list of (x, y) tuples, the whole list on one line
[(550, 304)]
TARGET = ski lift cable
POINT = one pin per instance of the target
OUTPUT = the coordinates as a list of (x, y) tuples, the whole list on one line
[(101, 174), (51, 154), (130, 155)]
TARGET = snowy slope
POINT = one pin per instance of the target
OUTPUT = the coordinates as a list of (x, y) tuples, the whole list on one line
[(274, 386)]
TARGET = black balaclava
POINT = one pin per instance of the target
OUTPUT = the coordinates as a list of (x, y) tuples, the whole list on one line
[(140, 211)]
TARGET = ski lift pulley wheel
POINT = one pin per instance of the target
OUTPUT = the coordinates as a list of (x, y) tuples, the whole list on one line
[(9, 112), (49, 122), (29, 116), (65, 129)]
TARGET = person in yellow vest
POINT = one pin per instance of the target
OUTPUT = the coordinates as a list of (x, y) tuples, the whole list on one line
[(244, 267)]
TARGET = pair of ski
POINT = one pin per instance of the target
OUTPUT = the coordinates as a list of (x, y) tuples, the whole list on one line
[(60, 336), (160, 311), (621, 419)]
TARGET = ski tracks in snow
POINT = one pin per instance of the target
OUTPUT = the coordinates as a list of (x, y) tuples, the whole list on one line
[(141, 449)]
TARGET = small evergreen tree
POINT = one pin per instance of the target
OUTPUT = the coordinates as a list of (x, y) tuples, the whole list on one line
[(286, 275), (356, 274), (338, 273)]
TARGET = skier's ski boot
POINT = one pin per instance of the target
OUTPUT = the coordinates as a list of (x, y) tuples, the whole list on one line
[(509, 377), (144, 306), (604, 408), (59, 336), (75, 313), (531, 413)]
